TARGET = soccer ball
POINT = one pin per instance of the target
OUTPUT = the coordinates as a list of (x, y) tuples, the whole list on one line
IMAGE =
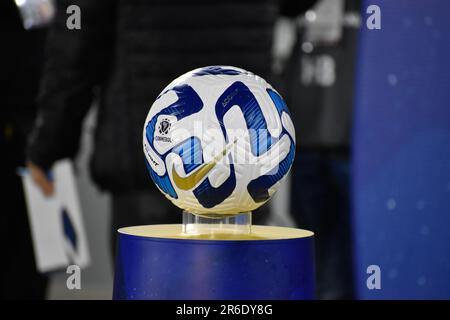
[(218, 140)]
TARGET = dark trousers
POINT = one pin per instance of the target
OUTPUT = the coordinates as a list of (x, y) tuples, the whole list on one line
[(19, 278), (320, 203)]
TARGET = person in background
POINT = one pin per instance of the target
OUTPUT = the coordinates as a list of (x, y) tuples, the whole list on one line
[(319, 88), (21, 65), (125, 53)]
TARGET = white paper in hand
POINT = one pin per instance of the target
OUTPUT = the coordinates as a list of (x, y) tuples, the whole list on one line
[(59, 237)]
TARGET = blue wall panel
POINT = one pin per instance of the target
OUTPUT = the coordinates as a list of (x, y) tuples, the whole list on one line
[(401, 158)]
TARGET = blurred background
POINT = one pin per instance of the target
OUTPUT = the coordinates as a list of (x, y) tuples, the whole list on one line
[(367, 84)]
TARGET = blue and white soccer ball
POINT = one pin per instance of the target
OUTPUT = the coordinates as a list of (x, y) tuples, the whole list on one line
[(218, 140)]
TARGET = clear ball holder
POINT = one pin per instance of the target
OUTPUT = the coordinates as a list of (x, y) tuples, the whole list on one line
[(217, 226), (214, 257)]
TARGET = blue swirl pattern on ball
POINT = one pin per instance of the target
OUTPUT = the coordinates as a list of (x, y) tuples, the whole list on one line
[(188, 103), (191, 153), (260, 139), (215, 70), (208, 196), (239, 94)]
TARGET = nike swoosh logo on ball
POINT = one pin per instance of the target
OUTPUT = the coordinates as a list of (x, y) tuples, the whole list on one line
[(190, 181)]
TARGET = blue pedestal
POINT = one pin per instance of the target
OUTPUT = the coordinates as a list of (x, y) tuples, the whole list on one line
[(157, 262)]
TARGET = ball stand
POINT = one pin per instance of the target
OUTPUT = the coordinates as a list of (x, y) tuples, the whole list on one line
[(214, 257)]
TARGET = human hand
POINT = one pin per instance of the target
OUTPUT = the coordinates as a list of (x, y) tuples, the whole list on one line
[(40, 177)]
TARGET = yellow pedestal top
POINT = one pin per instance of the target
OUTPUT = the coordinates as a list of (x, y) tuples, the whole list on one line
[(174, 231)]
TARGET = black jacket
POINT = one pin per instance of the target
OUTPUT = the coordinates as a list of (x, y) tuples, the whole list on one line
[(21, 62), (126, 52)]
